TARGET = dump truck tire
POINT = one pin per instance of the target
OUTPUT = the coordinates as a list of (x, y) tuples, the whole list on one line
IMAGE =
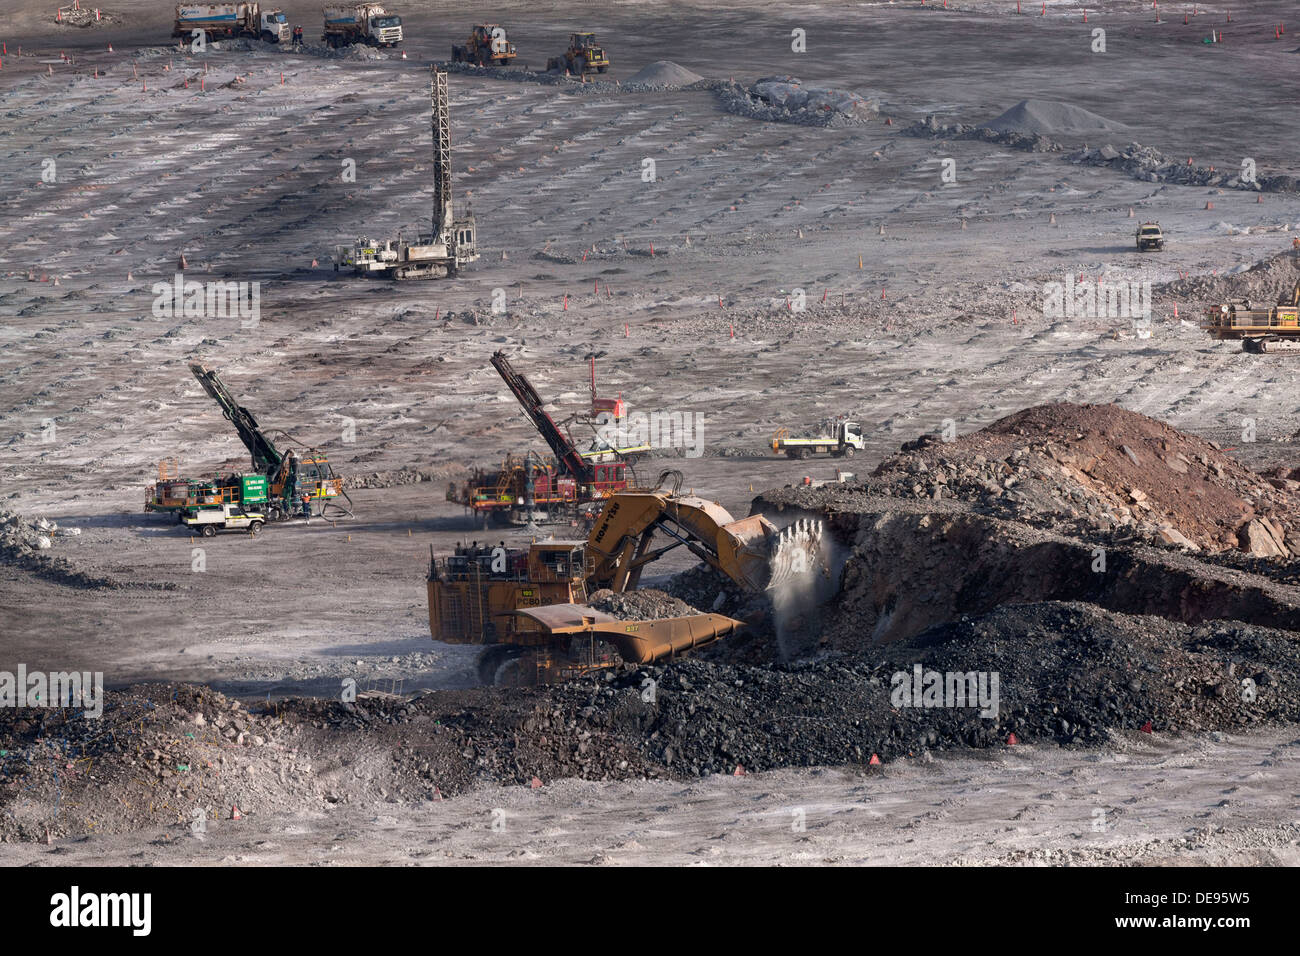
[(492, 659), (518, 671), (849, 451)]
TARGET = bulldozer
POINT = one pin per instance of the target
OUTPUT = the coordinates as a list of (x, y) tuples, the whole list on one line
[(527, 607), (487, 44), (582, 57), (1269, 329)]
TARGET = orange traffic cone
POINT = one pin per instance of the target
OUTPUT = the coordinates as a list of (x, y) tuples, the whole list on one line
[(1011, 740), (874, 761)]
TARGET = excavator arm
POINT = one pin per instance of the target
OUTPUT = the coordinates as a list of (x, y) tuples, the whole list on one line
[(266, 457), (750, 551)]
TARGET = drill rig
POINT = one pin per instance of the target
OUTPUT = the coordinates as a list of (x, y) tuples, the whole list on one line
[(297, 484), (528, 607), (525, 487), (452, 242)]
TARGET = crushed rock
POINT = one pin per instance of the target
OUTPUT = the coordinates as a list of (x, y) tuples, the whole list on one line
[(641, 605), (661, 75), (784, 99)]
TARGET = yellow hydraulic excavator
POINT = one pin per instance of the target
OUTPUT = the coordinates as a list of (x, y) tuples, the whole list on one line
[(1270, 329), (528, 607)]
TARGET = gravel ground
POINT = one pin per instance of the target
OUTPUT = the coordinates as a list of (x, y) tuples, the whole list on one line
[(770, 274)]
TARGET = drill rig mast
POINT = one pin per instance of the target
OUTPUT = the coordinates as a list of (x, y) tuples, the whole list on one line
[(295, 483)]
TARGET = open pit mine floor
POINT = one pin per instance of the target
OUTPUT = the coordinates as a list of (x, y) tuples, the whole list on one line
[(1098, 509)]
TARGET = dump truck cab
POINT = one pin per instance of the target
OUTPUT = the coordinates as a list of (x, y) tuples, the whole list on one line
[(275, 27), (1149, 236), (386, 30)]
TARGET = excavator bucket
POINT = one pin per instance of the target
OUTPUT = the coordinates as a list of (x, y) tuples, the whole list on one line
[(765, 558), (799, 550)]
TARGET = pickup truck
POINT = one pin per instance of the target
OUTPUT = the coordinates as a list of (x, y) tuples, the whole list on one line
[(230, 517), (1149, 237)]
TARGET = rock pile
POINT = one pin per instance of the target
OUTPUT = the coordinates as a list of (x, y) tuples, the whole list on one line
[(30, 544), (641, 605), (784, 99), (21, 536), (1067, 674), (1040, 127), (1083, 468)]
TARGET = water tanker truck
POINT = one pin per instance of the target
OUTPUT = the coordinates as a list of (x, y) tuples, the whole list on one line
[(220, 20)]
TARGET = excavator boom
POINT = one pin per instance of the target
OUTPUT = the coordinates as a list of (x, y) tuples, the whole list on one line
[(751, 551)]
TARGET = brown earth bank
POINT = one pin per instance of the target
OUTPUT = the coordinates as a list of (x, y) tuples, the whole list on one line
[(1058, 502)]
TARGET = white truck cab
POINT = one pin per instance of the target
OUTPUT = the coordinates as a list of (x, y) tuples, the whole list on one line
[(275, 27)]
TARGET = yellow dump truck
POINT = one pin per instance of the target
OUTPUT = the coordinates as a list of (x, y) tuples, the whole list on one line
[(528, 607)]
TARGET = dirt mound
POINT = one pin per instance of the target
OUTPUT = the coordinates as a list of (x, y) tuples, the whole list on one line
[(1100, 467), (1263, 284), (662, 74), (1062, 502), (157, 753), (1050, 118)]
